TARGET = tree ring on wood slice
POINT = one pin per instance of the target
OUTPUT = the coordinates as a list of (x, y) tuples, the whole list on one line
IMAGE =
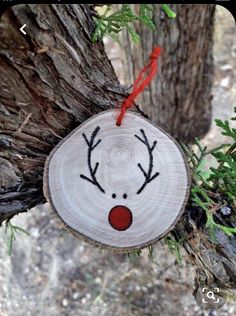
[(118, 187)]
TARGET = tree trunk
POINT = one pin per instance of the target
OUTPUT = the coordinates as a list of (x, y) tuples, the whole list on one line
[(179, 99), (54, 78), (51, 80)]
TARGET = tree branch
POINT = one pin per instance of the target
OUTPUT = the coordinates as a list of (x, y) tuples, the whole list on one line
[(47, 94)]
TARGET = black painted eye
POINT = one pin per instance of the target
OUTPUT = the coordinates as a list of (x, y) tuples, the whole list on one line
[(113, 195), (125, 196)]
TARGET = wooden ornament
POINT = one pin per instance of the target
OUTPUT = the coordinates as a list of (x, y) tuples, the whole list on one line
[(120, 187)]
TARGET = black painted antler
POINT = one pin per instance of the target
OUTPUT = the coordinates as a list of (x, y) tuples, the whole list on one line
[(148, 175), (91, 147)]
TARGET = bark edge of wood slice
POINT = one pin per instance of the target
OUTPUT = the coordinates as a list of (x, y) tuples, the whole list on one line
[(117, 187)]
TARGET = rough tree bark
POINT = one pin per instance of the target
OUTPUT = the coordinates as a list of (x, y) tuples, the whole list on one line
[(54, 78), (51, 80), (179, 98)]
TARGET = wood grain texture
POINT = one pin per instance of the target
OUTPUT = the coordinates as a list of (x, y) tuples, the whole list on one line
[(100, 169)]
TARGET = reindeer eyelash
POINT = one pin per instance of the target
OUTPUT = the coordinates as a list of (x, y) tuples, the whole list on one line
[(91, 147), (148, 175)]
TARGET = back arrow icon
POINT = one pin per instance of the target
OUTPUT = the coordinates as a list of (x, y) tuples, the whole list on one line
[(22, 29)]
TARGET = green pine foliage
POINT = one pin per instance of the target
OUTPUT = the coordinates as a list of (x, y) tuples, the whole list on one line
[(168, 11), (138, 252), (214, 190), (224, 177), (134, 253), (110, 24), (174, 248)]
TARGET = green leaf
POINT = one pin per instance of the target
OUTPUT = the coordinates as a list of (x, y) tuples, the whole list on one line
[(135, 37), (134, 253), (173, 246), (11, 231), (227, 130), (10, 240), (146, 12), (168, 11), (150, 253), (17, 228), (219, 181), (234, 117)]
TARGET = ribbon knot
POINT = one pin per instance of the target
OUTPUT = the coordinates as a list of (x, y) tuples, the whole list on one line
[(140, 83), (155, 53)]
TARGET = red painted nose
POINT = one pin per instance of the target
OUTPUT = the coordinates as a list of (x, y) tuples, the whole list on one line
[(120, 217)]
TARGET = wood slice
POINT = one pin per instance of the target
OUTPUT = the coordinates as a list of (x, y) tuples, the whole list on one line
[(122, 187)]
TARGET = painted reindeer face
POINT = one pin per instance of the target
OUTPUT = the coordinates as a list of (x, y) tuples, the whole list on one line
[(122, 187), (120, 217)]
